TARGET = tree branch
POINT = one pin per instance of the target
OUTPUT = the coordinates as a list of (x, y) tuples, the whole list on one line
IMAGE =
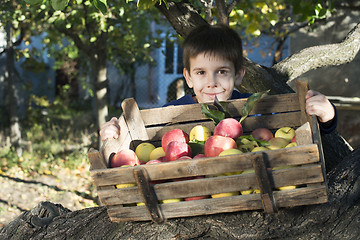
[(320, 56)]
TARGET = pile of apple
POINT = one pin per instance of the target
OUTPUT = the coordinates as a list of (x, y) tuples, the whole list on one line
[(227, 139)]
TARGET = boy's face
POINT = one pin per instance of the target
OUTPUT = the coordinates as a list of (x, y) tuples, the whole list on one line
[(212, 76)]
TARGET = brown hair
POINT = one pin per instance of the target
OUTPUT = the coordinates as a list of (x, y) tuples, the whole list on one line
[(219, 40)]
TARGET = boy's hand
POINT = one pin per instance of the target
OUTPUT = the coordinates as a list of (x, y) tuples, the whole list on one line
[(110, 129), (317, 104)]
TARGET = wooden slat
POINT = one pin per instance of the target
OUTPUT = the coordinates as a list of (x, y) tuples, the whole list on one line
[(148, 195), (274, 121), (291, 198), (264, 183), (192, 112), (207, 186), (207, 166), (301, 89), (134, 120), (304, 135)]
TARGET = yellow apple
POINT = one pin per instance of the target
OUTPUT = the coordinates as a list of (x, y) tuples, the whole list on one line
[(140, 204), (277, 143), (231, 151), (143, 151), (285, 132), (125, 185), (157, 153), (292, 144), (259, 149), (171, 200), (229, 194), (199, 133)]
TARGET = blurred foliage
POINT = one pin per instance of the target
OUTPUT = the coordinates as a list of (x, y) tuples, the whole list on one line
[(56, 135)]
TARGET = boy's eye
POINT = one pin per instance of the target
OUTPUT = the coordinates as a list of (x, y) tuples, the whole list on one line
[(200, 72), (222, 72)]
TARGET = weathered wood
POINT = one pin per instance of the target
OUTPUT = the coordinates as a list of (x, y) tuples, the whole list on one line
[(208, 166), (147, 194), (264, 183), (304, 134)]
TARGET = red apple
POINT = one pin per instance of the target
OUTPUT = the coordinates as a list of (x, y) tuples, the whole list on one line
[(175, 150), (293, 139), (184, 158), (174, 135), (124, 157), (216, 144), (262, 134), (229, 127), (153, 161), (200, 155)]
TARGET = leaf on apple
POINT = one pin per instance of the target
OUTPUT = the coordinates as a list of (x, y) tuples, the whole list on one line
[(250, 103), (197, 147), (217, 111), (261, 143)]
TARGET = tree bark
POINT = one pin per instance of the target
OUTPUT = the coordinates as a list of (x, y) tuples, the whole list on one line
[(337, 219), (15, 132)]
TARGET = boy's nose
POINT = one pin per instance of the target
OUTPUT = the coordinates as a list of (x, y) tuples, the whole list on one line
[(211, 81)]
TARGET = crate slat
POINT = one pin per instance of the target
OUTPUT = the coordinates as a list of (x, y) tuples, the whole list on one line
[(207, 166), (291, 198)]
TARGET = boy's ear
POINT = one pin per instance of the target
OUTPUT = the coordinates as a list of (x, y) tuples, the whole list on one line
[(239, 76), (188, 78)]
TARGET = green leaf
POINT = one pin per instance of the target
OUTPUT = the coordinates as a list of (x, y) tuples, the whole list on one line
[(251, 138), (101, 5), (222, 107), (59, 5), (197, 147), (212, 114), (250, 103), (33, 2)]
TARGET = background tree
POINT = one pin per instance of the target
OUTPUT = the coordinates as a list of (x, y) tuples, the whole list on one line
[(121, 36)]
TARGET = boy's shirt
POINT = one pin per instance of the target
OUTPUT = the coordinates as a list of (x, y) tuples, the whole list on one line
[(325, 128)]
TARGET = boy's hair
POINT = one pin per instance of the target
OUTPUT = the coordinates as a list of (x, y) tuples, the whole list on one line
[(216, 40)]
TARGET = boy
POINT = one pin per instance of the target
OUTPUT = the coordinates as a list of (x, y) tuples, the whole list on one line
[(213, 66)]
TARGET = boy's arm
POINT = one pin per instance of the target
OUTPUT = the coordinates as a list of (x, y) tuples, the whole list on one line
[(317, 104)]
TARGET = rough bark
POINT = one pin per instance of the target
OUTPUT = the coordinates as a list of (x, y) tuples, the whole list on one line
[(337, 219)]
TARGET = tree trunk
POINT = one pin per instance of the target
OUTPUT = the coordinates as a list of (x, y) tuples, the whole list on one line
[(337, 219), (15, 133), (98, 77)]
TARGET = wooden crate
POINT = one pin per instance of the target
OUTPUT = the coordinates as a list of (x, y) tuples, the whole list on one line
[(307, 173)]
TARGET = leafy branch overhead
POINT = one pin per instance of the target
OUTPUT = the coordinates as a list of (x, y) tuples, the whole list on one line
[(219, 110)]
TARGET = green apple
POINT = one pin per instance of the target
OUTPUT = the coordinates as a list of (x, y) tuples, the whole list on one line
[(199, 133), (285, 132), (259, 149), (157, 153), (277, 143), (228, 194), (143, 151)]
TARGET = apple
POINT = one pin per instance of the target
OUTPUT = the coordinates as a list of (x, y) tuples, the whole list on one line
[(259, 149), (277, 143), (292, 144), (285, 132), (231, 151), (157, 153), (153, 161), (262, 134), (200, 155), (143, 151), (124, 157), (229, 127), (174, 200), (199, 133), (228, 194), (293, 139), (216, 144), (175, 150), (174, 135), (284, 187), (184, 158)]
